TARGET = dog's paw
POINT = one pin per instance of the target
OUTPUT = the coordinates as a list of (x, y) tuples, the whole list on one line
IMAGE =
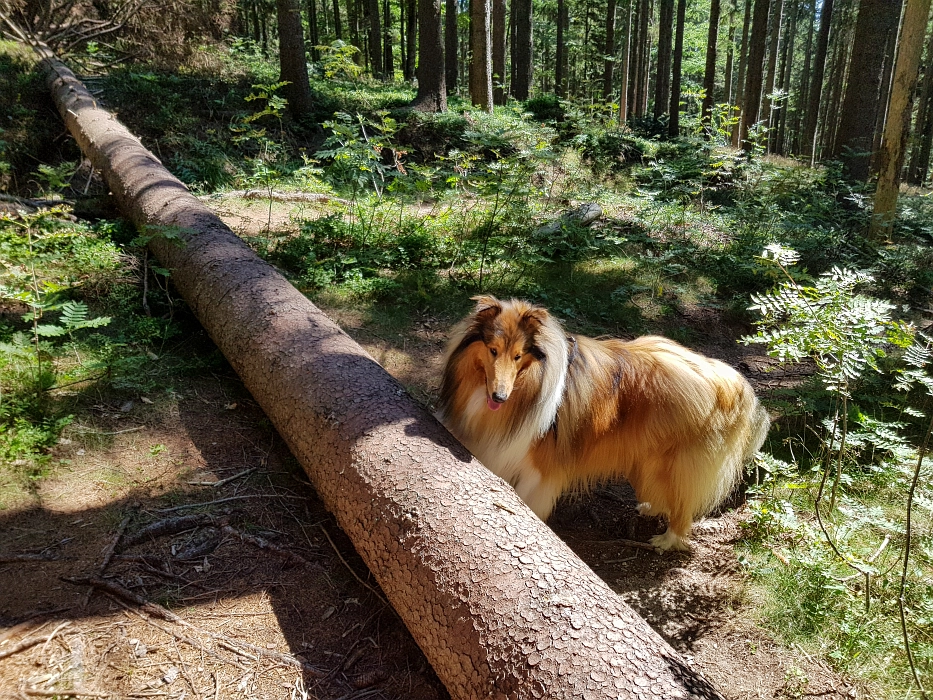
[(670, 541), (643, 509)]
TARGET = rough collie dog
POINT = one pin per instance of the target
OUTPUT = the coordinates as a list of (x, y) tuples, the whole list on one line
[(549, 412)]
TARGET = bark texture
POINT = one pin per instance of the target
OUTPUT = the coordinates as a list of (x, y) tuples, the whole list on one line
[(499, 604), (481, 54), (753, 71), (293, 62), (709, 75), (522, 56), (432, 90)]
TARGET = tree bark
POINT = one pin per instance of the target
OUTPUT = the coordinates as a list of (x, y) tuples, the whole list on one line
[(753, 71), (498, 52), (560, 67), (709, 75), (313, 35), (626, 53), (777, 144), (662, 81), (481, 54), (777, 12), (432, 90), (730, 57), (862, 101), (375, 37), (816, 79), (923, 128), (673, 126), (891, 156), (803, 85), (500, 605), (338, 27), (451, 49), (743, 64), (411, 39), (522, 49), (609, 50), (293, 62), (388, 63)]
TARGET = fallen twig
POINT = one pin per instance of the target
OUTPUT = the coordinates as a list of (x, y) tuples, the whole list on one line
[(211, 503), (65, 693), (217, 484), (27, 643), (21, 558), (108, 555), (267, 546), (168, 526)]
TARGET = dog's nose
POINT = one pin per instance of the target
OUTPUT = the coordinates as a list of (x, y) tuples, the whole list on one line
[(499, 398)]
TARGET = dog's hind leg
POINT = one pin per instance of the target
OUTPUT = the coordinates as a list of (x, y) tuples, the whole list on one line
[(538, 494), (675, 537)]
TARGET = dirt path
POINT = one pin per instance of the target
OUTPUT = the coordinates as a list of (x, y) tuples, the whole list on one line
[(302, 618)]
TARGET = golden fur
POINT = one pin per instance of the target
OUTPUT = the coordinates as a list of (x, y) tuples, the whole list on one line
[(548, 412)]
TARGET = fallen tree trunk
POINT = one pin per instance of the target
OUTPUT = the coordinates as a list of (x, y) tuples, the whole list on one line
[(500, 605)]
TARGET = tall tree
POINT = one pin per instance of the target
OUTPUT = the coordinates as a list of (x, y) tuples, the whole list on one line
[(522, 48), (498, 52), (662, 83), (388, 62), (411, 38), (432, 92), (730, 55), (891, 156), (673, 126), (609, 49), (923, 129), (375, 37), (560, 67), (643, 65), (743, 64), (862, 101), (626, 52), (293, 62), (312, 30), (753, 71), (709, 75), (816, 79), (777, 145), (451, 36), (777, 9), (803, 90), (481, 54)]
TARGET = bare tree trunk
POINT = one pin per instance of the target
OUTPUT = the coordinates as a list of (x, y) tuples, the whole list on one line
[(743, 66), (730, 56), (891, 156), (673, 126), (498, 52), (803, 91), (388, 63), (754, 69), (777, 10), (314, 38), (862, 102), (411, 38), (777, 144), (643, 67), (375, 37), (432, 92), (560, 67), (338, 28), (662, 83), (609, 50), (816, 79), (451, 48), (709, 75), (292, 59), (481, 54), (626, 52), (522, 49), (496, 617), (923, 127)]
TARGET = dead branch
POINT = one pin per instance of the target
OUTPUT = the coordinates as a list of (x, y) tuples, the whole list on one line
[(266, 545), (38, 692), (108, 555), (166, 527), (217, 484), (27, 643), (22, 558)]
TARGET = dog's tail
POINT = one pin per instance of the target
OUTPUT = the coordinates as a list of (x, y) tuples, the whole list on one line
[(758, 431)]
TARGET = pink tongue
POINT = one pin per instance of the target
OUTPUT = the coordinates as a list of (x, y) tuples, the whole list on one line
[(493, 405)]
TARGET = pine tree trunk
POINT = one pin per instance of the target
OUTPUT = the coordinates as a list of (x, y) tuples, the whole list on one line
[(626, 52), (662, 83), (313, 37), (803, 86), (897, 125), (353, 17), (862, 102), (923, 128), (500, 606), (673, 126), (293, 62), (432, 91), (498, 52), (777, 9), (641, 97), (829, 110), (560, 67), (338, 27), (375, 37), (411, 38), (609, 50), (743, 66), (634, 56), (754, 71), (816, 80), (709, 75), (451, 48), (388, 63), (522, 48), (481, 54), (730, 56)]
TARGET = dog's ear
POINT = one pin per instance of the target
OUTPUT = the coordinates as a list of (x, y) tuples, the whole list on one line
[(534, 318), (486, 306)]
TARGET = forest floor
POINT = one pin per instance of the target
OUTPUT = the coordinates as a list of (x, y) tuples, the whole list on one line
[(302, 617)]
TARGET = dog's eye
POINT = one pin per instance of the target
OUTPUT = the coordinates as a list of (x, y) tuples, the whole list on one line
[(518, 357), (492, 351)]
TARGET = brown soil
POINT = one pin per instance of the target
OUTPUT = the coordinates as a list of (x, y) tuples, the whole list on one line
[(302, 618)]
